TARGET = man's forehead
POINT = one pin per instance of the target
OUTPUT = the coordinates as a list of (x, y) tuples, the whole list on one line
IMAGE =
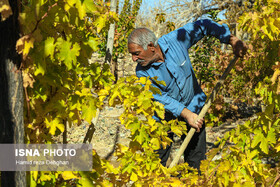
[(132, 47)]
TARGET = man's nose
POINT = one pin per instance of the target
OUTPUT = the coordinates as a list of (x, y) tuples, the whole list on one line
[(134, 58)]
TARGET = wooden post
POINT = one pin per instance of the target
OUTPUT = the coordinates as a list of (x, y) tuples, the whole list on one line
[(11, 93), (110, 43)]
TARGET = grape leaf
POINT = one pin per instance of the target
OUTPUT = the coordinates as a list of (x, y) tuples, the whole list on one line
[(49, 47), (68, 53)]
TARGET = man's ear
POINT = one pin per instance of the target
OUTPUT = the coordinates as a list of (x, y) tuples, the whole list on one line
[(151, 46)]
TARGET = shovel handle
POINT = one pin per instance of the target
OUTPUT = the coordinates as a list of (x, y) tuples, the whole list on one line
[(203, 112)]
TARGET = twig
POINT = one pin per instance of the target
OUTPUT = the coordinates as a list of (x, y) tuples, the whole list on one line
[(44, 16), (276, 180), (27, 104), (64, 135)]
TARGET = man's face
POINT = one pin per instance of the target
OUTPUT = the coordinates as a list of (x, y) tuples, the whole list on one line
[(139, 55)]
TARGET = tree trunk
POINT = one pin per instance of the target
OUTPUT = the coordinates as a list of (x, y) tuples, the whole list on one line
[(110, 43), (11, 93)]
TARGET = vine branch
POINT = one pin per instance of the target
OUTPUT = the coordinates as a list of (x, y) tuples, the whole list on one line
[(27, 104), (43, 17)]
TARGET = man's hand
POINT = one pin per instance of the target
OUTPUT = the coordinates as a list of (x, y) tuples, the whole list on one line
[(190, 117), (238, 46)]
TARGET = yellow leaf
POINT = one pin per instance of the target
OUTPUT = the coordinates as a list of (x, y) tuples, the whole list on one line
[(45, 177), (122, 149), (103, 92), (67, 175), (35, 175), (69, 4), (275, 76), (155, 143), (28, 45), (100, 22), (255, 16), (278, 87), (53, 125), (176, 182), (110, 168), (24, 44), (142, 80), (133, 177), (5, 9), (81, 9), (30, 126), (158, 82), (237, 185), (277, 147)]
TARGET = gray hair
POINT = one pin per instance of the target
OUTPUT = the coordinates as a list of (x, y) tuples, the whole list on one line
[(142, 36)]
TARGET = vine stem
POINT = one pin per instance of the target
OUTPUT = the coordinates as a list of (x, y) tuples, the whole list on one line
[(43, 17), (28, 104)]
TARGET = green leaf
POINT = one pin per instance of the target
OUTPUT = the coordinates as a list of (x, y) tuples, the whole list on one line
[(85, 179), (100, 22), (90, 6), (49, 47), (146, 104), (253, 154), (53, 125), (155, 143), (93, 43), (68, 53), (143, 136), (257, 138), (40, 67), (264, 146), (88, 112), (133, 126), (271, 136), (81, 9), (159, 109)]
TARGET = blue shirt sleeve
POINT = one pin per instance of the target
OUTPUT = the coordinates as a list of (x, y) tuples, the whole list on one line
[(191, 33)]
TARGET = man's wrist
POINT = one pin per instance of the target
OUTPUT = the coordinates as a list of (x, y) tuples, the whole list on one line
[(232, 39), (185, 113)]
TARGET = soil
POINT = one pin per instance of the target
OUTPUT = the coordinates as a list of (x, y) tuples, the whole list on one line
[(109, 131)]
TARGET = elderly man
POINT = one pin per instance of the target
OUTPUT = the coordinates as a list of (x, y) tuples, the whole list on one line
[(168, 59)]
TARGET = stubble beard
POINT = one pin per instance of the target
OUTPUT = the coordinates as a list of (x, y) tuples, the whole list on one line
[(141, 61)]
